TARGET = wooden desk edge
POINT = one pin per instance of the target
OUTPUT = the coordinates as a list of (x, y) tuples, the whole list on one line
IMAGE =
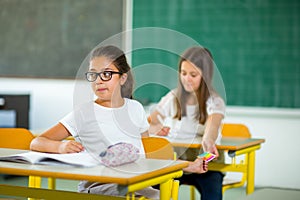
[(222, 147), (157, 173), (242, 146), (121, 181)]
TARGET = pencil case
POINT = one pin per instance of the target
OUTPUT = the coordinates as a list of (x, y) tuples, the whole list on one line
[(119, 154)]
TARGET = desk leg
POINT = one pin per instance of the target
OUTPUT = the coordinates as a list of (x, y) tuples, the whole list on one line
[(51, 183), (34, 181), (250, 173), (165, 189)]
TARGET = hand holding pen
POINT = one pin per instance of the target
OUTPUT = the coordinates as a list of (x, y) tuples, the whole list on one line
[(164, 131)]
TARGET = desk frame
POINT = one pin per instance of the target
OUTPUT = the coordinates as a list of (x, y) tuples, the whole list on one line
[(235, 147), (163, 173), (248, 168), (165, 182)]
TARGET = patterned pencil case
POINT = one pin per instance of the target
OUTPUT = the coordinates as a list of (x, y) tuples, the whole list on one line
[(119, 154)]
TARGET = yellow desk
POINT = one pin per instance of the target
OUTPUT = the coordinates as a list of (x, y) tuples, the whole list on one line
[(130, 177), (234, 147)]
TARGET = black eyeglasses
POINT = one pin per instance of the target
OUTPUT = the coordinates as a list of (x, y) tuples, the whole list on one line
[(104, 76)]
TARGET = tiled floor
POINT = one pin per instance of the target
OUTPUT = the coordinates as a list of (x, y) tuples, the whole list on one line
[(230, 194)]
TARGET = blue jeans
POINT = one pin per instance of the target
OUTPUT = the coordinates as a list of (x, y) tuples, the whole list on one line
[(209, 184)]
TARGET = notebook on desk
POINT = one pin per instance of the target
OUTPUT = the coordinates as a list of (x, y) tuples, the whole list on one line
[(82, 159)]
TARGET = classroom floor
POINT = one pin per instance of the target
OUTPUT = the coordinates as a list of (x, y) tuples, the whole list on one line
[(230, 194)]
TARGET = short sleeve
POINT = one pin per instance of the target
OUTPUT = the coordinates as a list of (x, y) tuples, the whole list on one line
[(138, 115), (166, 106), (215, 104), (69, 123)]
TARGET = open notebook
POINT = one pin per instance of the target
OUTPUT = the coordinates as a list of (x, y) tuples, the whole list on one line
[(82, 159)]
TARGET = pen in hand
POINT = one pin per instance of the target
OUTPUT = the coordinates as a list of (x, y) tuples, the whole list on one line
[(165, 130)]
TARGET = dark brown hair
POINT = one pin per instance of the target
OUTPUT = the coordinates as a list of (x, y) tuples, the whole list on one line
[(118, 58)]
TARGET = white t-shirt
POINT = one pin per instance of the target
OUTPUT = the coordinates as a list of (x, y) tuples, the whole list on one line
[(188, 123), (188, 127), (97, 127)]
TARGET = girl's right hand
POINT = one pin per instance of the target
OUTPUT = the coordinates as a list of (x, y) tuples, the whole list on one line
[(70, 146), (199, 166), (164, 131)]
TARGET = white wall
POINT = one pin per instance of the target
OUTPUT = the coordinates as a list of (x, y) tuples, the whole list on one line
[(50, 99), (277, 162)]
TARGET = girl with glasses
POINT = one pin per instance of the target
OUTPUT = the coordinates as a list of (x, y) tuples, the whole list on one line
[(111, 118)]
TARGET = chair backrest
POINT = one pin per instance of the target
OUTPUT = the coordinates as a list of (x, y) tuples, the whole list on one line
[(158, 148), (235, 130), (15, 138)]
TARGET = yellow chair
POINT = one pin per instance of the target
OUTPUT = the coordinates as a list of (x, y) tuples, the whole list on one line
[(237, 131), (20, 138), (160, 148), (15, 138)]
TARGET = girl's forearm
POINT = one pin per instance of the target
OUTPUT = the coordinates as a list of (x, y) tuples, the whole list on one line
[(212, 127), (45, 145)]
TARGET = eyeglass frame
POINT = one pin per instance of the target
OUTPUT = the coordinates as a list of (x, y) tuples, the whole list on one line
[(98, 74)]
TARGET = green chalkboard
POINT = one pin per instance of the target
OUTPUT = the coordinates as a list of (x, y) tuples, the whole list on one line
[(51, 38), (255, 45)]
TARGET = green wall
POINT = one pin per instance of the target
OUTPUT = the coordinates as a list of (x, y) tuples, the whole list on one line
[(255, 45)]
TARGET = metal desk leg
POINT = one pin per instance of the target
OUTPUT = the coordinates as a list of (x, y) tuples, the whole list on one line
[(165, 189), (251, 172), (51, 183)]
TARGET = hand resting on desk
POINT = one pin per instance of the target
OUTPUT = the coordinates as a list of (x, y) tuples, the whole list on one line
[(70, 146)]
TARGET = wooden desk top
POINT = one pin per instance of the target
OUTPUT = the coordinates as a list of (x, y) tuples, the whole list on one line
[(227, 143), (140, 170)]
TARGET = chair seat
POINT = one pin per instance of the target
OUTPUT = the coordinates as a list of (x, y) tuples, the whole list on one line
[(228, 181)]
